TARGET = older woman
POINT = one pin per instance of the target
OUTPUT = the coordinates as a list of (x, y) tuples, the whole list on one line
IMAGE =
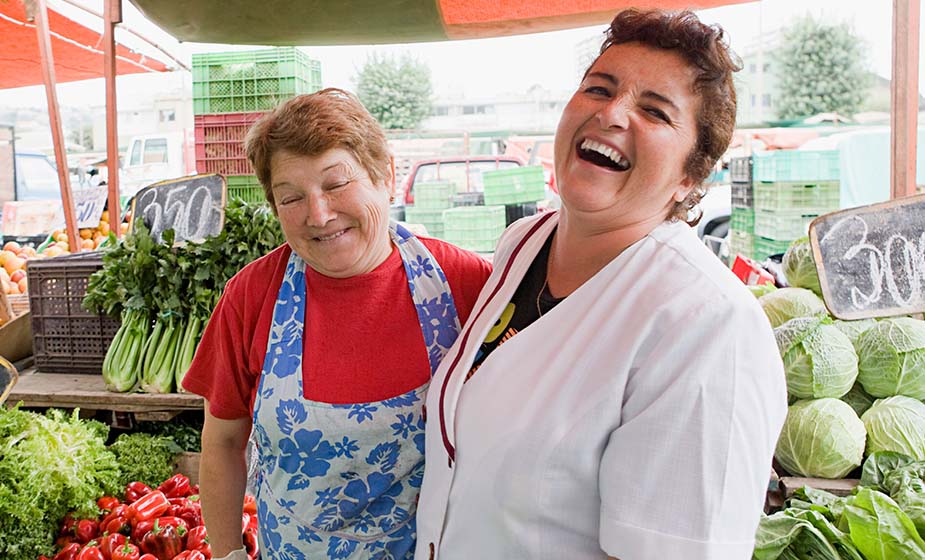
[(326, 346), (617, 391)]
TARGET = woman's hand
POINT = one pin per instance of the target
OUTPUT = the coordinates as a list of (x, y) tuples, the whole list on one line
[(223, 479)]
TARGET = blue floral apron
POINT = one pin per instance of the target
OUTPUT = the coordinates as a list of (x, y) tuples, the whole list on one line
[(342, 481)]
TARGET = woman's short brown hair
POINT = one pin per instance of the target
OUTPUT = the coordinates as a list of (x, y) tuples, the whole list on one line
[(705, 49), (313, 124)]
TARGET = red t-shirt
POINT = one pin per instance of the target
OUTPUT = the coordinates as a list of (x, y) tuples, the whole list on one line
[(362, 339)]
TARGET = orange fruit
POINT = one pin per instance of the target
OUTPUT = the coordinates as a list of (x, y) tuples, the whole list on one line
[(60, 237), (105, 217), (86, 233), (12, 246), (23, 286), (104, 228), (87, 244)]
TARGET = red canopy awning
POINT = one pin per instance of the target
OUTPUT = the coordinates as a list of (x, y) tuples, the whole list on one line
[(78, 50)]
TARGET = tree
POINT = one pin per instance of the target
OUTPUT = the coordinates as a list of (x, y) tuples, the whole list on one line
[(821, 70), (396, 92)]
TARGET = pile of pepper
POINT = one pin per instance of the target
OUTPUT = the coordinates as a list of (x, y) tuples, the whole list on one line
[(163, 523)]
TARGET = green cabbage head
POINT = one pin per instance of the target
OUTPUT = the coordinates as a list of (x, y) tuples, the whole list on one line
[(799, 266), (892, 358), (819, 359), (822, 438), (896, 424), (858, 399), (786, 303), (854, 329)]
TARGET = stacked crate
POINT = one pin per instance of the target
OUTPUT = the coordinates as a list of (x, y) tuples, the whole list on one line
[(476, 228), (517, 189), (431, 198), (742, 216), (231, 90), (792, 188)]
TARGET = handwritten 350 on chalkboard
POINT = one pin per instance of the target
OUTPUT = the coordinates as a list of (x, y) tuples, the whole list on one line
[(194, 207), (871, 259)]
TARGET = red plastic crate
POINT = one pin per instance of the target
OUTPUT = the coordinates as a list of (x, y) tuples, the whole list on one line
[(220, 143)]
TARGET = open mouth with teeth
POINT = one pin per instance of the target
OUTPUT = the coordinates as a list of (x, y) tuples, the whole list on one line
[(601, 155), (329, 237)]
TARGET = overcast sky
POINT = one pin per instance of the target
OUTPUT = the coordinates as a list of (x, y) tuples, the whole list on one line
[(487, 67)]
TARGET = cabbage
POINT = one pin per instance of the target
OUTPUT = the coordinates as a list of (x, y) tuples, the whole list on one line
[(858, 399), (799, 266), (786, 303), (762, 289), (819, 359), (892, 358), (822, 438), (854, 329), (896, 424)]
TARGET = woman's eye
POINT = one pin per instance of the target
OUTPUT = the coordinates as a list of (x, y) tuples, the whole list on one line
[(658, 113), (338, 185), (597, 90), (285, 201)]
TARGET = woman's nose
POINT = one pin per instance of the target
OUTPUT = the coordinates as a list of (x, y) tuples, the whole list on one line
[(319, 211), (615, 113)]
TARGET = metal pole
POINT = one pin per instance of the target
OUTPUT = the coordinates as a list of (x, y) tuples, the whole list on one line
[(112, 13), (904, 98), (54, 118)]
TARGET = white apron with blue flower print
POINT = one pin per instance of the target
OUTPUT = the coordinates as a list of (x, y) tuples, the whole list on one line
[(342, 481)]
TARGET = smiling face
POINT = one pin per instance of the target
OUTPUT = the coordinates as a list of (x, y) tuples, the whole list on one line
[(625, 136), (332, 214)]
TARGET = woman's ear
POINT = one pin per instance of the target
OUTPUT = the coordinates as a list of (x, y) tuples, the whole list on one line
[(684, 189)]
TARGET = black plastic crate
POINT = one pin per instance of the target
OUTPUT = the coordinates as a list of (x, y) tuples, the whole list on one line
[(743, 194), (66, 338), (474, 198), (514, 212), (740, 169)]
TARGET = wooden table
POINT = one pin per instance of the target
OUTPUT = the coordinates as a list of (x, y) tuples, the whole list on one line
[(87, 392)]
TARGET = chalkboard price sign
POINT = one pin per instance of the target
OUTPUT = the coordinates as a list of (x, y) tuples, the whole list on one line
[(194, 207), (871, 259)]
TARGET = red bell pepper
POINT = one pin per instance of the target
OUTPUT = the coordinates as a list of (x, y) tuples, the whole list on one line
[(119, 510), (91, 552), (147, 557), (191, 512), (111, 542), (141, 529), (197, 538), (174, 522), (128, 551), (177, 486), (250, 542), (250, 505), (69, 552), (163, 542), (135, 490), (67, 525), (119, 524), (107, 503), (86, 530), (190, 555), (149, 506)]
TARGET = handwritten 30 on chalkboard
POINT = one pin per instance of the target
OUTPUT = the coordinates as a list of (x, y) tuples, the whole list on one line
[(193, 206), (871, 259)]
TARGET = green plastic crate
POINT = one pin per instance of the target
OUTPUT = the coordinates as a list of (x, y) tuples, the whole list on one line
[(782, 225), (764, 247), (741, 243), (796, 165), (742, 219), (247, 81), (434, 195), (818, 197), (245, 187), (429, 218), (514, 186), (476, 228)]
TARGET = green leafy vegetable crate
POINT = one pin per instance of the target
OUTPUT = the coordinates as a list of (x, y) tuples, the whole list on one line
[(430, 219), (741, 243), (476, 228), (234, 82), (765, 247), (514, 186), (783, 225), (818, 197), (742, 219), (66, 338)]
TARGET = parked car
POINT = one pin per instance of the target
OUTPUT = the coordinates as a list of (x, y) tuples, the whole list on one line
[(157, 157)]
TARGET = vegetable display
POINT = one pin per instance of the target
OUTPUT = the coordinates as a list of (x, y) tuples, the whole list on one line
[(787, 303), (821, 438), (892, 358), (881, 520), (800, 268), (819, 360), (896, 424), (165, 294)]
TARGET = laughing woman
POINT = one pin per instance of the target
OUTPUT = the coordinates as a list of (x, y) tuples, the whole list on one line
[(326, 346), (617, 392)]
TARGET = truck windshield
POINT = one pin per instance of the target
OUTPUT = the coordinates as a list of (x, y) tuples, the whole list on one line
[(38, 179)]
